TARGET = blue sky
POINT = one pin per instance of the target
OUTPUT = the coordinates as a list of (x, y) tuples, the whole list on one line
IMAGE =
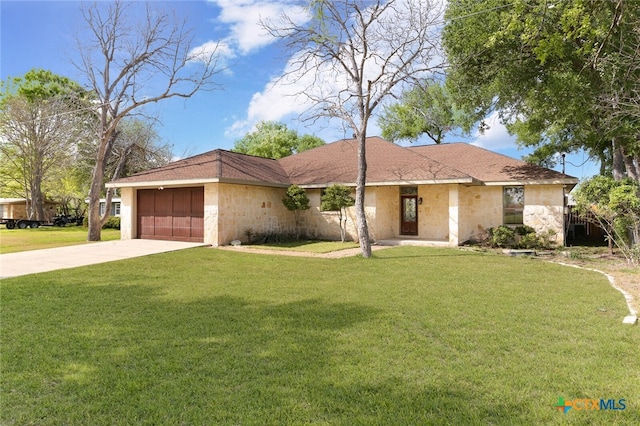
[(41, 34)]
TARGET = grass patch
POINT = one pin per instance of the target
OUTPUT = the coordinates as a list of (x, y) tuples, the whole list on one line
[(309, 246), (15, 240), (412, 336)]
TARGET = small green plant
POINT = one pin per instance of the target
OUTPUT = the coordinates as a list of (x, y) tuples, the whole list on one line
[(296, 200), (523, 230), (112, 222), (576, 255), (529, 241), (337, 198), (275, 237), (503, 236)]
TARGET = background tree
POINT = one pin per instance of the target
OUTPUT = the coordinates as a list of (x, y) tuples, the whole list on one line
[(130, 65), (615, 207), (296, 200), (351, 56), (539, 65), (425, 109), (275, 140), (338, 198), (41, 125)]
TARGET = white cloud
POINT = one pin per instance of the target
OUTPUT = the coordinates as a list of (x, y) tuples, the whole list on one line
[(301, 81), (244, 16), (496, 137), (211, 49)]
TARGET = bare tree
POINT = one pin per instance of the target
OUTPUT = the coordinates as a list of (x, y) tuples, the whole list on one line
[(130, 65), (136, 149), (351, 55), (39, 136)]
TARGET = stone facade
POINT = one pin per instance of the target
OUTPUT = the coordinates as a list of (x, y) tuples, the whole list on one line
[(230, 210), (544, 209), (449, 212)]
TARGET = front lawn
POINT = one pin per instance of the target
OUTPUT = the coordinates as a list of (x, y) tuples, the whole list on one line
[(14, 240), (310, 246), (411, 336)]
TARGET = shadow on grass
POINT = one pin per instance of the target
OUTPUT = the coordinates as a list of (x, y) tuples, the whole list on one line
[(142, 358), (206, 350)]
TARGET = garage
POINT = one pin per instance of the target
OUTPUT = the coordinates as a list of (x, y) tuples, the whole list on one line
[(175, 214)]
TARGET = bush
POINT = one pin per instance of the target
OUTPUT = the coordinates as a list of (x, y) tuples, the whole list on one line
[(112, 223), (503, 236), (274, 238), (529, 241), (523, 230)]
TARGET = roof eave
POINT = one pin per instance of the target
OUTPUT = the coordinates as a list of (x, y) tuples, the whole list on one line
[(563, 181), (393, 183), (191, 182)]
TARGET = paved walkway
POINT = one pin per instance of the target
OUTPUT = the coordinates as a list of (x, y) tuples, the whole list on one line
[(36, 261)]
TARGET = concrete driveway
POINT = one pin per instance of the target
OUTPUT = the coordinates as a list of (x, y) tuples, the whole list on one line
[(36, 261)]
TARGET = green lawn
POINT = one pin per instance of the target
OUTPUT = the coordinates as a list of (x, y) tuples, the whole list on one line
[(310, 246), (14, 240), (411, 336)]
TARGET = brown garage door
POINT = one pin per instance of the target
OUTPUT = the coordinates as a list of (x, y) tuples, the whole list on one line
[(171, 214)]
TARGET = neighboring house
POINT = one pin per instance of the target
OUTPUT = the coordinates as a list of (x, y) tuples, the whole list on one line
[(115, 206), (16, 208), (445, 193)]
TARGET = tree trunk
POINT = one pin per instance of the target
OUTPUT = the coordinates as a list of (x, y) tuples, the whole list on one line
[(122, 161), (343, 230), (361, 218), (37, 203), (618, 161), (631, 164), (97, 181)]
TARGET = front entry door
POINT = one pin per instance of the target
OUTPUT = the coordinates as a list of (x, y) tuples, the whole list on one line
[(409, 215)]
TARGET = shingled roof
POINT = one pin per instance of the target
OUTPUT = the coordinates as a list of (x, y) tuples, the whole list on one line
[(387, 164), (488, 166), (213, 166)]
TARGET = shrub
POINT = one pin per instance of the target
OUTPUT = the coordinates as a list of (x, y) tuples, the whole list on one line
[(503, 236), (112, 222), (523, 230), (274, 238), (529, 241)]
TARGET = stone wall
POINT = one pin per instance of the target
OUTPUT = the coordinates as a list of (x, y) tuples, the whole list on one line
[(323, 225), (480, 209), (231, 209), (242, 207), (433, 214), (544, 209)]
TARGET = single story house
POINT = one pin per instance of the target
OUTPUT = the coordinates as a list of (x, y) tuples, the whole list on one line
[(115, 206), (445, 193), (16, 208)]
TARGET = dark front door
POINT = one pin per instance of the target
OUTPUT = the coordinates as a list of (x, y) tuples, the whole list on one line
[(409, 215)]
